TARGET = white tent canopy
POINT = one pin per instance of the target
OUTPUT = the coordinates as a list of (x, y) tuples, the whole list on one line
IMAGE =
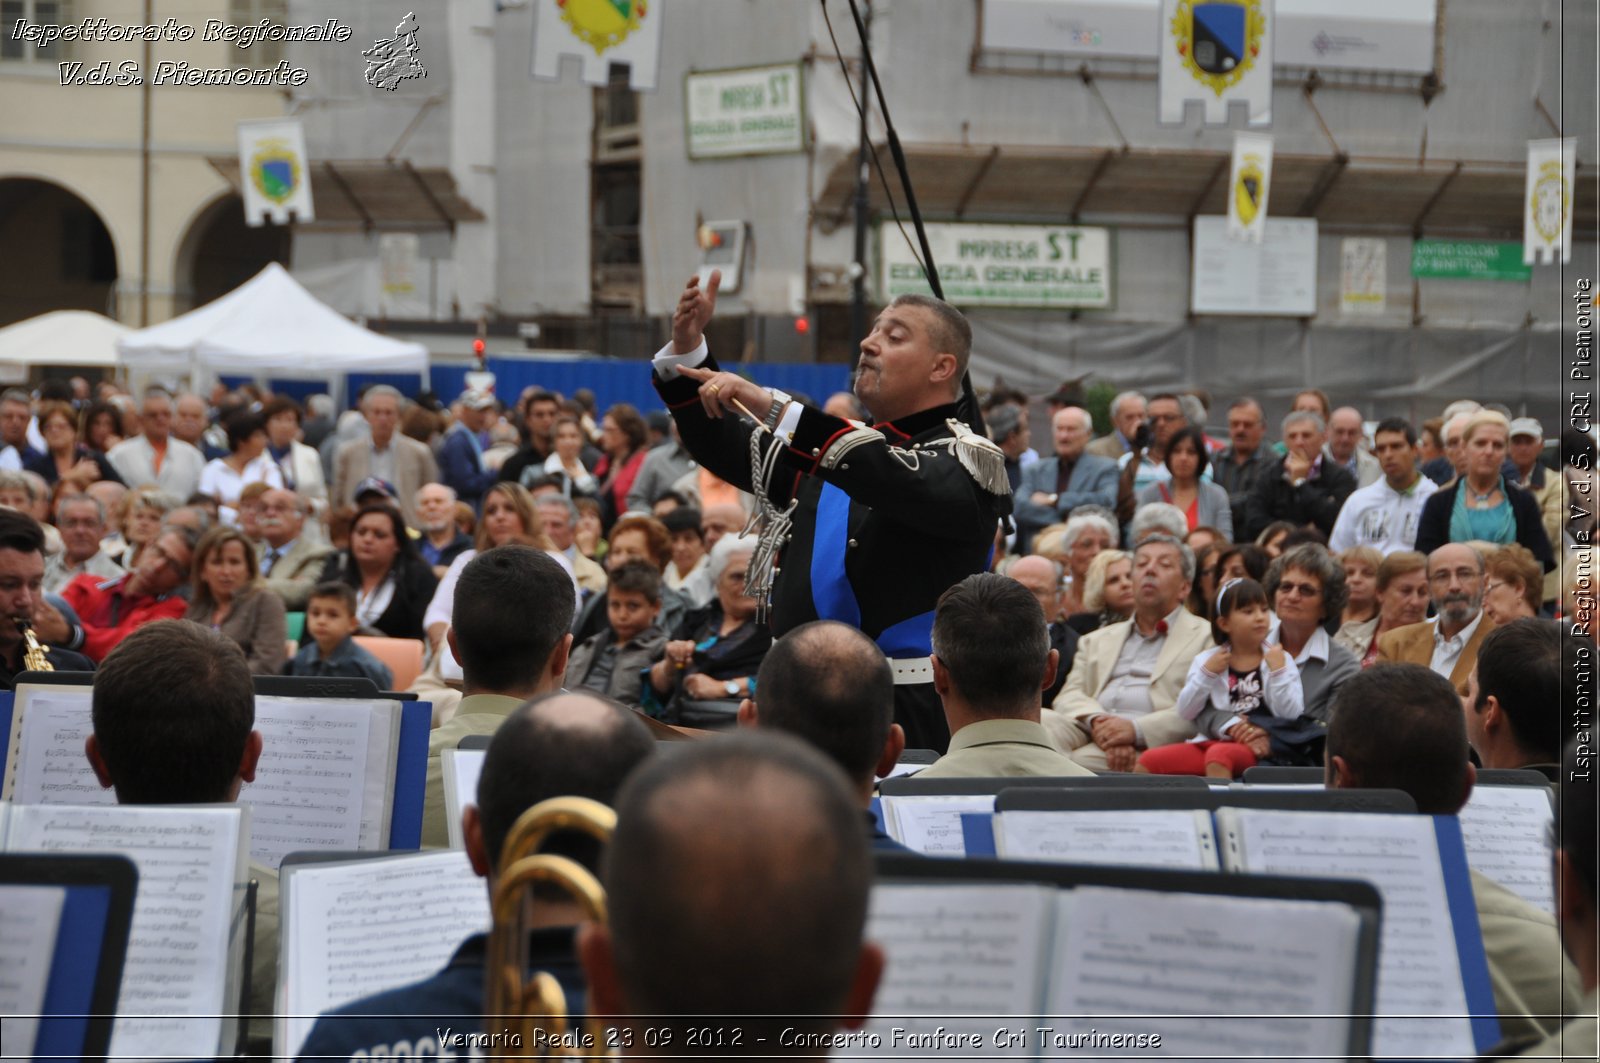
[(61, 337), (268, 327)]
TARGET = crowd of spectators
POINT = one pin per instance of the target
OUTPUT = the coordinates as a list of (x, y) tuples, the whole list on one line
[(232, 510), (1162, 601)]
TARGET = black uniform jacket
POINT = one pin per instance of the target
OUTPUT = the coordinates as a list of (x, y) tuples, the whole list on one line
[(888, 517)]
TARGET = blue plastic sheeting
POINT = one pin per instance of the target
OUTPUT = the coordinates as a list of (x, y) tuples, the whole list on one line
[(612, 380)]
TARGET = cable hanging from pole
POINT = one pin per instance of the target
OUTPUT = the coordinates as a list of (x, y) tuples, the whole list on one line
[(967, 405)]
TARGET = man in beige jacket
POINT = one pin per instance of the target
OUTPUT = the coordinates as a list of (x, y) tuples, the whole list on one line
[(387, 454), (1126, 677)]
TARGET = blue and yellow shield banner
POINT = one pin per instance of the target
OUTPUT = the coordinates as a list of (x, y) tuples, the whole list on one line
[(1216, 51)]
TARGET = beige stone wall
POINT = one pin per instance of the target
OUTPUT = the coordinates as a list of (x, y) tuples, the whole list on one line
[(86, 139)]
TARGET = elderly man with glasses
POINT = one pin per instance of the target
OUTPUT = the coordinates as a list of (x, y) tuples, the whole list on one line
[(1448, 644)]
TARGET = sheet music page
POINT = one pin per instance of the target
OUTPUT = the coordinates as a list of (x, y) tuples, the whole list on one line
[(1506, 830), (931, 823), (172, 982), (1197, 957), (377, 794), (964, 949), (1178, 838), (341, 937), (52, 768), (309, 786), (1419, 971), (461, 769), (29, 919)]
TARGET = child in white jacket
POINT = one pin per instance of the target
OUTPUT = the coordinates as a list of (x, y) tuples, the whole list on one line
[(1241, 681)]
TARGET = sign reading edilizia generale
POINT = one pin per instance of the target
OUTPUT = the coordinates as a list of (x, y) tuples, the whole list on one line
[(1003, 265), (750, 111)]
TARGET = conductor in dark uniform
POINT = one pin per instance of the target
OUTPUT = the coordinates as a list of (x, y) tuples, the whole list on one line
[(864, 525)]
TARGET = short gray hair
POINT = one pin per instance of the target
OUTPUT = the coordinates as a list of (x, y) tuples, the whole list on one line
[(190, 536), (1185, 555), (201, 518), (1297, 416), (1193, 409), (1055, 566), (549, 501), (13, 480), (1124, 396), (1004, 421), (41, 489), (1158, 516), (1079, 523), (154, 498), (436, 483), (381, 391), (727, 548), (1459, 419), (78, 500), (1082, 414)]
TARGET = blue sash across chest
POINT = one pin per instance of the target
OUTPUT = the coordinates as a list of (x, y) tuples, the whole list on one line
[(831, 593)]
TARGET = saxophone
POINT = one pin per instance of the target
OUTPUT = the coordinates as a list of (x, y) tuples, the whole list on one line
[(34, 657)]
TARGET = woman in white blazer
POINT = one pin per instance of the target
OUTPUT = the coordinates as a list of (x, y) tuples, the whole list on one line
[(300, 465)]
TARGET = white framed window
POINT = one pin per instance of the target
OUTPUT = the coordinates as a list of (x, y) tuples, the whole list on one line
[(14, 49), (260, 54)]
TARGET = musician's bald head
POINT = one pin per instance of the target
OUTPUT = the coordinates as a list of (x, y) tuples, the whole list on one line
[(567, 744), (829, 684), (737, 884)]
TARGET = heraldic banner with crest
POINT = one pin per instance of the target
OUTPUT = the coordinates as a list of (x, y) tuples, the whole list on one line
[(598, 33), (1216, 52), (1248, 184), (1547, 227), (273, 173)]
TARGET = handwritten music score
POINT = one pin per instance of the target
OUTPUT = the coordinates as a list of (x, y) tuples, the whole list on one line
[(1506, 830), (931, 823), (1138, 838), (172, 994), (29, 919), (1419, 971), (1244, 974), (360, 928)]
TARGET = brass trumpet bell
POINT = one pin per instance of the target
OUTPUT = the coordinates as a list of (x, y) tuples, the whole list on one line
[(532, 1007)]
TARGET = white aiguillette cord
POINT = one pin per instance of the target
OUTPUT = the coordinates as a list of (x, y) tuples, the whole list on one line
[(775, 523)]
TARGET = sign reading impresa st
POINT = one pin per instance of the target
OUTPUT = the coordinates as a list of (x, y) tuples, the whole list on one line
[(1003, 265), (749, 111)]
